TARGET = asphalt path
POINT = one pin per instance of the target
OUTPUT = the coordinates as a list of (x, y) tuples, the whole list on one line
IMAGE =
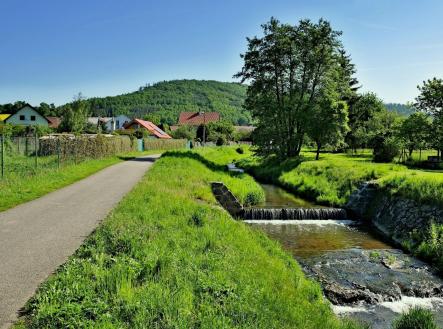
[(39, 236)]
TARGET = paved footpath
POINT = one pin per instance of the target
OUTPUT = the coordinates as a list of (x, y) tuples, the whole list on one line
[(38, 236)]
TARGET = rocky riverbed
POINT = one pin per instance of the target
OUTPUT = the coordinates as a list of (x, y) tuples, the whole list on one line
[(352, 276)]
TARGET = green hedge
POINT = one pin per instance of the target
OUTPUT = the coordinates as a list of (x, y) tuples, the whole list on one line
[(85, 146)]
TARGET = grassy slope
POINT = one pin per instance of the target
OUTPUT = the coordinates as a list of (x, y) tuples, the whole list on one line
[(333, 178), (169, 257), (20, 189)]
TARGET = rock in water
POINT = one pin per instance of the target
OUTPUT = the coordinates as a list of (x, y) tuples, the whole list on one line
[(372, 276)]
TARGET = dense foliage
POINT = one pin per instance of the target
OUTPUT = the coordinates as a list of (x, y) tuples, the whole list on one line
[(162, 102), (296, 74)]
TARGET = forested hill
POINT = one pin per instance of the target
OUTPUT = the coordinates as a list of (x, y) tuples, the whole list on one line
[(164, 101), (402, 109)]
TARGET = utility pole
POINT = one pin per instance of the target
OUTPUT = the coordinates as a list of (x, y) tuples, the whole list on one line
[(204, 128)]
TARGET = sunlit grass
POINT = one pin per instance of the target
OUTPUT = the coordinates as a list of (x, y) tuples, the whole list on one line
[(29, 183), (169, 257), (334, 177)]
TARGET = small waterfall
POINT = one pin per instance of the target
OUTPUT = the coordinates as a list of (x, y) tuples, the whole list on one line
[(294, 213)]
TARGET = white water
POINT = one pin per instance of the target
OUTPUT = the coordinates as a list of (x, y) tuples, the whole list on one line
[(406, 303), (317, 222)]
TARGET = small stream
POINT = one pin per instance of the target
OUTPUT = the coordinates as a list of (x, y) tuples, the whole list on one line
[(362, 275)]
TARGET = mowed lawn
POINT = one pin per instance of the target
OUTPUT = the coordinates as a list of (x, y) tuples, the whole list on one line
[(169, 257), (333, 178)]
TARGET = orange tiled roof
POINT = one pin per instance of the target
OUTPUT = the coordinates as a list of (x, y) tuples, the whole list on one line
[(148, 125), (198, 118)]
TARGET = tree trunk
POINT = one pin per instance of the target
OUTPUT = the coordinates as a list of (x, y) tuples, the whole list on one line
[(317, 156)]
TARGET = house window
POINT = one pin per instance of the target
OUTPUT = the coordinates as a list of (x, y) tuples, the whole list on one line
[(22, 117), (32, 117), (118, 124)]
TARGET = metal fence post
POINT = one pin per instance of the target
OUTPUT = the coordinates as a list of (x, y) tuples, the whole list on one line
[(3, 154), (36, 150), (58, 153)]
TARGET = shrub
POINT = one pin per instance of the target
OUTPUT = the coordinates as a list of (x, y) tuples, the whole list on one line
[(221, 140), (386, 151), (184, 132), (416, 318)]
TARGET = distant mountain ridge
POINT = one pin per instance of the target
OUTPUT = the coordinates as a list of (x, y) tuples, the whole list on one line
[(402, 109), (164, 101)]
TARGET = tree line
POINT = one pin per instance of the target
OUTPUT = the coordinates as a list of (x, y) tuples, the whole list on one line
[(303, 91)]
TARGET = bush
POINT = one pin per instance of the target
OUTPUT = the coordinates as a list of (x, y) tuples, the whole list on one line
[(184, 132), (239, 150), (221, 140), (386, 151), (416, 318)]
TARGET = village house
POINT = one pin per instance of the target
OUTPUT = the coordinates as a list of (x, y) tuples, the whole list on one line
[(111, 123), (198, 118), (153, 130), (27, 116)]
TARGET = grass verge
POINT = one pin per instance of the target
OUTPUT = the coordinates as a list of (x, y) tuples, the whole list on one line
[(18, 189), (334, 177), (169, 257)]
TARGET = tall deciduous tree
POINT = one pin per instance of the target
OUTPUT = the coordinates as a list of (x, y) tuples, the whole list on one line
[(361, 123), (75, 116), (430, 101), (328, 120), (286, 70), (414, 131)]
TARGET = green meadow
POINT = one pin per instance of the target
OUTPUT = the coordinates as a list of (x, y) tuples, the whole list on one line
[(169, 256), (332, 179)]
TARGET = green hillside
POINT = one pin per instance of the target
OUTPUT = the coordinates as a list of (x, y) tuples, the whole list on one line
[(165, 100), (402, 109)]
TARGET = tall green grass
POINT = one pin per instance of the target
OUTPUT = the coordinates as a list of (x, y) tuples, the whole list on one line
[(17, 187), (415, 318), (334, 177), (169, 257)]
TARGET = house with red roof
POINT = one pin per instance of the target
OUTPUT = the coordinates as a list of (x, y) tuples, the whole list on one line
[(198, 118), (149, 126)]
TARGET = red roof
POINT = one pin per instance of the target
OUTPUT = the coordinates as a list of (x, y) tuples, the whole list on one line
[(54, 122), (198, 118), (148, 125)]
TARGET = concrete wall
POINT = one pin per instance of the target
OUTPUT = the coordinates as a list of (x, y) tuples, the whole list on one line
[(227, 199), (392, 214)]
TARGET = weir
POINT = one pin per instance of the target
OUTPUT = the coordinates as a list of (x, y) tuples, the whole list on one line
[(294, 213)]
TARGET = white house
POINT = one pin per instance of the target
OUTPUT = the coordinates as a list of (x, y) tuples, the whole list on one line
[(111, 123), (27, 116), (117, 122)]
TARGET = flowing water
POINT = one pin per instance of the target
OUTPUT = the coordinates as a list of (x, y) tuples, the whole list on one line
[(362, 275), (277, 197)]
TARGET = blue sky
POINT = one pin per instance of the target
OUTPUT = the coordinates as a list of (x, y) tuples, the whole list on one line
[(53, 49)]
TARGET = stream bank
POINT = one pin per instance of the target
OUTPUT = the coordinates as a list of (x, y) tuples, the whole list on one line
[(361, 273)]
